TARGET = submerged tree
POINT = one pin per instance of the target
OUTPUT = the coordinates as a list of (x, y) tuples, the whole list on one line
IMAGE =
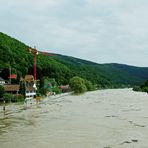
[(77, 84)]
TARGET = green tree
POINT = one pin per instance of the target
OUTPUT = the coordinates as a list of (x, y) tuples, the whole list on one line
[(146, 83), (42, 91), (143, 87), (77, 84), (89, 85), (2, 91), (22, 89)]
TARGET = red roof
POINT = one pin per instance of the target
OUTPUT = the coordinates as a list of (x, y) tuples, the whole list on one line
[(13, 76)]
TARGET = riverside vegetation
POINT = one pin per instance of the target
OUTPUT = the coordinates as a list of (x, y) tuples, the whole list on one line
[(142, 88)]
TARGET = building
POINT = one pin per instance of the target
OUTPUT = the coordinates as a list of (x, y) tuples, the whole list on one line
[(13, 89), (65, 88), (30, 87), (2, 81)]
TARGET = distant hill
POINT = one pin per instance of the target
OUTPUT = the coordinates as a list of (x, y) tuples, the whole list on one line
[(16, 54), (116, 73)]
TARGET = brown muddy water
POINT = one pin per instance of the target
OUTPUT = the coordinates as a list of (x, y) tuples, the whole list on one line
[(101, 119)]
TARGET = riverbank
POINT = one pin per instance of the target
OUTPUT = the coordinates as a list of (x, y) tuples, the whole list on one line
[(116, 118)]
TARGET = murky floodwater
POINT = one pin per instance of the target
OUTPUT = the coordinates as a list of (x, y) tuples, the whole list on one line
[(101, 119)]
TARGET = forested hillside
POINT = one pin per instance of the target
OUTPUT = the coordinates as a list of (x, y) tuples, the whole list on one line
[(16, 55), (119, 74)]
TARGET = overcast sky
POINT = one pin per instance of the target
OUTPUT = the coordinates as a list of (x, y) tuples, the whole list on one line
[(104, 31)]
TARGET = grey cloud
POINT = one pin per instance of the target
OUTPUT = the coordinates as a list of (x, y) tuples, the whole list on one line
[(101, 31)]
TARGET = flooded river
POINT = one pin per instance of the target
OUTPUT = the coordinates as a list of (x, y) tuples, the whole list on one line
[(101, 119)]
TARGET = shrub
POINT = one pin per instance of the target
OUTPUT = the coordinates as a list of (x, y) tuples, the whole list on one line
[(145, 89), (38, 94), (8, 97), (137, 88), (42, 91), (77, 84), (56, 90), (18, 98)]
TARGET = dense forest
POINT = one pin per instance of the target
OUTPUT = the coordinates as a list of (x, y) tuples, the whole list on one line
[(16, 55), (117, 74)]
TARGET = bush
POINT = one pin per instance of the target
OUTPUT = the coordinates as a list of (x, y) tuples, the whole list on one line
[(42, 91), (137, 88), (18, 98), (77, 84), (56, 90), (145, 89), (8, 97), (38, 94)]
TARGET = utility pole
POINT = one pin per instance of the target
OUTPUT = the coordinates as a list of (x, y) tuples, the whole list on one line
[(10, 75), (35, 52)]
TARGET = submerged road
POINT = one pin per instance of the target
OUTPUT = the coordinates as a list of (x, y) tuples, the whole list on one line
[(116, 118)]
